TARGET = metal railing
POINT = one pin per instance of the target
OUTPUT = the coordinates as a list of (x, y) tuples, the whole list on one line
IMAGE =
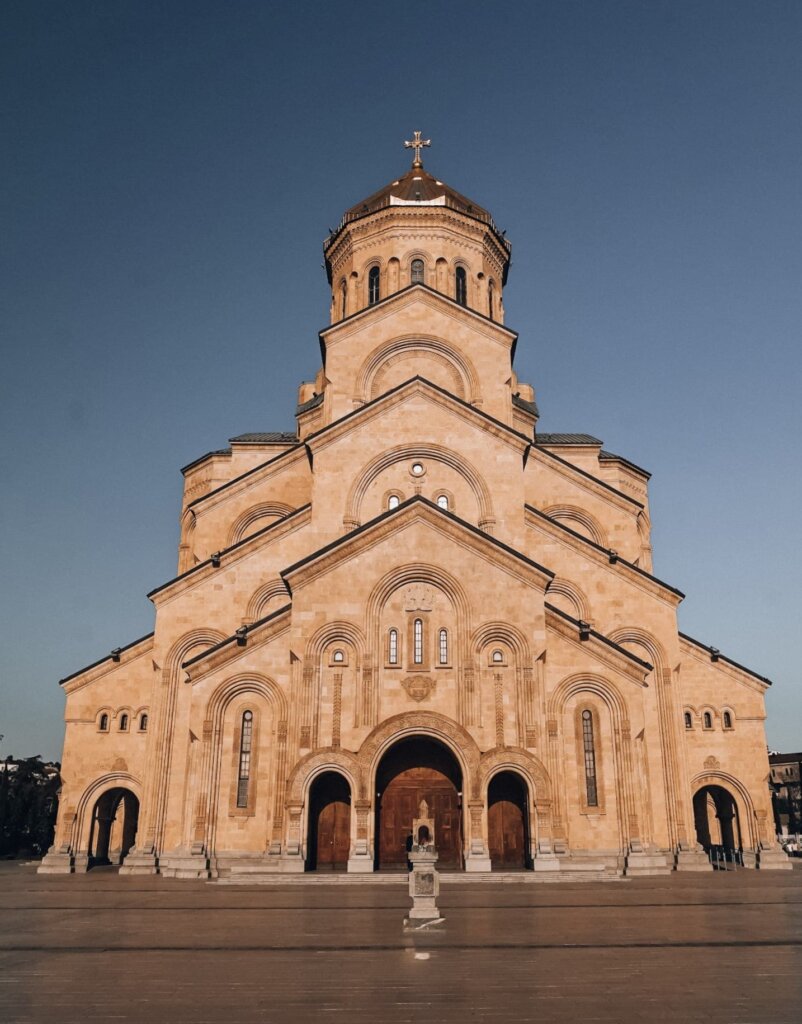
[(725, 858)]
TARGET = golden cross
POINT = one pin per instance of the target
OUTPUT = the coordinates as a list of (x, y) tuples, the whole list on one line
[(417, 144)]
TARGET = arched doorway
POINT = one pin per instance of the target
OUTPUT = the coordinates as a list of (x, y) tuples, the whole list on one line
[(508, 822), (718, 827), (329, 841), (114, 823), (414, 769)]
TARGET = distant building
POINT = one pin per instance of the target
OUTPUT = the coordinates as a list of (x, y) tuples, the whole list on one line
[(415, 594), (786, 792)]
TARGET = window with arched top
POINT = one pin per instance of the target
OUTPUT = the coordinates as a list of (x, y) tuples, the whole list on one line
[(461, 286), (688, 720), (443, 646), (416, 272), (373, 286), (245, 751), (392, 647), (442, 501), (143, 722), (393, 501), (491, 289), (338, 657), (343, 299), (103, 724), (497, 657), (417, 648), (589, 756), (708, 720), (726, 719), (123, 723)]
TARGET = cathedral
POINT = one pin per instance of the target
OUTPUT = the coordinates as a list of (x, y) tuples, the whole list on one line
[(414, 595)]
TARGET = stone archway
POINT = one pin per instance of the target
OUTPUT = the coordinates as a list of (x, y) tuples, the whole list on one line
[(718, 825), (413, 769), (113, 828), (508, 831), (329, 829)]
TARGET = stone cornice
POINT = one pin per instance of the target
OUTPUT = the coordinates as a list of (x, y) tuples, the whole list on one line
[(416, 386), (238, 646), (387, 525), (598, 646), (602, 557), (585, 480), (116, 659), (713, 659), (201, 572)]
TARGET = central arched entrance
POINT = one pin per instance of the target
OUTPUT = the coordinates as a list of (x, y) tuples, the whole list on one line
[(414, 769), (329, 823), (508, 822), (115, 817)]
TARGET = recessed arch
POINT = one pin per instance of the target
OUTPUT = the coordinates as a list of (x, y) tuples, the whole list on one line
[(259, 601), (578, 519), (502, 632), (465, 380), (578, 604), (318, 762), (743, 800), (86, 804), (408, 452), (244, 524)]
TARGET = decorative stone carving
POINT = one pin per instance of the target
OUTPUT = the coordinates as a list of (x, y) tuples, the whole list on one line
[(712, 763), (418, 597), (419, 687)]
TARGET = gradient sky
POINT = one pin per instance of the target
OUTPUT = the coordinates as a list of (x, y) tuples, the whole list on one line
[(170, 171)]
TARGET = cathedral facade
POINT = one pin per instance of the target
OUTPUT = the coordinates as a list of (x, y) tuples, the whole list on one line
[(415, 595)]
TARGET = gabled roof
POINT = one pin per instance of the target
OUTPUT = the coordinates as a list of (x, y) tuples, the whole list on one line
[(240, 637), (600, 637), (716, 655), (266, 437), (566, 439), (111, 656), (401, 512)]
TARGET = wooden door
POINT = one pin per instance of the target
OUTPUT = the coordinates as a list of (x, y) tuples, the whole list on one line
[(399, 806), (333, 836), (506, 823)]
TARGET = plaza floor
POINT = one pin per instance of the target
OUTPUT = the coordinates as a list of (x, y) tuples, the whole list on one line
[(723, 947)]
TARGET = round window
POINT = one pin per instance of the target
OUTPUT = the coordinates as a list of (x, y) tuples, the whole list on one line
[(417, 469)]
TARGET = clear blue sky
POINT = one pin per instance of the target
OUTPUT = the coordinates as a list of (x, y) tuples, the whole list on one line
[(168, 175)]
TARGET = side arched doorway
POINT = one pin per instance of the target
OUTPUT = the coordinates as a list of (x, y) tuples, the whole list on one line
[(715, 813), (508, 822), (115, 817), (414, 769), (329, 839)]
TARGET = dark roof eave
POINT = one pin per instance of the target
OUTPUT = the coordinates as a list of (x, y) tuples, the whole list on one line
[(243, 476), (724, 658), (600, 636), (203, 458), (233, 638), (109, 657)]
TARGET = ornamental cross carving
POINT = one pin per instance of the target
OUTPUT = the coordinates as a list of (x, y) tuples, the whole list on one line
[(417, 144)]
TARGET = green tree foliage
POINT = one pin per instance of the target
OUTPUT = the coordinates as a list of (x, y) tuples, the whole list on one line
[(28, 804)]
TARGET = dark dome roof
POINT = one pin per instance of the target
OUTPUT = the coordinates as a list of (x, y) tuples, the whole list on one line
[(417, 186)]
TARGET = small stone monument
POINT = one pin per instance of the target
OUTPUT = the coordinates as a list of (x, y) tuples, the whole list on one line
[(424, 882)]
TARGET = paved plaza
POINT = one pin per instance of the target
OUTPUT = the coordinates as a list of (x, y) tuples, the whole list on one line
[(97, 947)]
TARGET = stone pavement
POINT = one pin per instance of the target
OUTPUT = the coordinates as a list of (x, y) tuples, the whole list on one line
[(724, 947)]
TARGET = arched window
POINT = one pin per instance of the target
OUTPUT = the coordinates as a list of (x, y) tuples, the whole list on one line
[(417, 272), (727, 720), (143, 722), (393, 501), (498, 657), (461, 286), (708, 720), (245, 747), (417, 654), (442, 501), (392, 647), (123, 723), (589, 751), (343, 299), (103, 725), (339, 656), (490, 298), (373, 286), (443, 639), (688, 720)]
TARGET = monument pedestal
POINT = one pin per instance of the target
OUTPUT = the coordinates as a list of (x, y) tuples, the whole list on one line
[(424, 884)]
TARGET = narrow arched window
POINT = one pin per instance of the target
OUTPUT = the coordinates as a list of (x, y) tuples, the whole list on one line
[(143, 722), (123, 723), (589, 751), (498, 657), (688, 720), (442, 501), (343, 297), (104, 722), (461, 286), (490, 299), (443, 646), (392, 647), (708, 720), (373, 286), (245, 747), (417, 272), (393, 501), (417, 655), (339, 657), (727, 719)]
